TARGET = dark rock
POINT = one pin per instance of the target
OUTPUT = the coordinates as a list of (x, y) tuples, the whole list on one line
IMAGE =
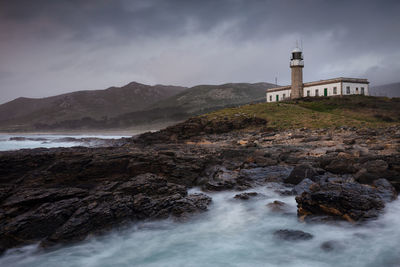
[(284, 192), (198, 126), (371, 171), (221, 179), (296, 136), (60, 215), (365, 177), (246, 196), (311, 139), (304, 186), (292, 235), (265, 161), (301, 172), (341, 166), (376, 166), (332, 245), (385, 190), (348, 201), (377, 147), (277, 206), (349, 141)]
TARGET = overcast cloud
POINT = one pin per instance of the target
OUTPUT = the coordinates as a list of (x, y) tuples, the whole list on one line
[(50, 47)]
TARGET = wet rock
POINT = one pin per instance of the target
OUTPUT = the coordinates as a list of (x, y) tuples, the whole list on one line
[(61, 215), (341, 166), (376, 166), (292, 235), (360, 151), (284, 192), (311, 139), (277, 206), (246, 196), (265, 161), (331, 245), (198, 126), (371, 171), (304, 186), (301, 172), (346, 201), (385, 190), (222, 179), (365, 177)]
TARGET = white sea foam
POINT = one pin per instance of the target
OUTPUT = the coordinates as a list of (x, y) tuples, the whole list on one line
[(48, 141), (232, 233)]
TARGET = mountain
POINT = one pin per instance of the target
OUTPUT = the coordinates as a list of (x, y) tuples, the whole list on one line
[(389, 90), (129, 106), (24, 113), (195, 101)]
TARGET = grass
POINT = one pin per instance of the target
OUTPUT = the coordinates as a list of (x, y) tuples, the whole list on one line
[(322, 112)]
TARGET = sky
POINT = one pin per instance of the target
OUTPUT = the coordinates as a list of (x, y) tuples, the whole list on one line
[(50, 47)]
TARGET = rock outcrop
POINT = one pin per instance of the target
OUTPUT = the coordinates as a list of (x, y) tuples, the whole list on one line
[(59, 215), (344, 200)]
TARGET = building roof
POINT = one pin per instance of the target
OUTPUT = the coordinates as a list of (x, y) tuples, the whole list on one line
[(280, 88), (296, 50), (321, 82)]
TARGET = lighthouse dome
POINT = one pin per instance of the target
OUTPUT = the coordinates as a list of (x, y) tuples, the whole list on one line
[(296, 50)]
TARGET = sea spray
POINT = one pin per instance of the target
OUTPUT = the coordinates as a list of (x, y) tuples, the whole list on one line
[(234, 232)]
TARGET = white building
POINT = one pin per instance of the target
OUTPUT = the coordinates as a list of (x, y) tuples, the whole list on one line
[(332, 87)]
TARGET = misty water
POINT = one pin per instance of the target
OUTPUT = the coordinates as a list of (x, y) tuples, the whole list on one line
[(232, 233), (27, 141)]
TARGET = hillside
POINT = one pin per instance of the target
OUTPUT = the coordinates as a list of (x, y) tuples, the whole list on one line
[(24, 113), (204, 97), (88, 110), (322, 112), (389, 90), (195, 101)]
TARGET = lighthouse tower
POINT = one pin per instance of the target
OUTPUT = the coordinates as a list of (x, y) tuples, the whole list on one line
[(297, 64)]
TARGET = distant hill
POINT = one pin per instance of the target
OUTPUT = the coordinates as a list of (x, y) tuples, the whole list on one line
[(389, 90), (24, 113), (195, 101), (132, 105), (204, 97)]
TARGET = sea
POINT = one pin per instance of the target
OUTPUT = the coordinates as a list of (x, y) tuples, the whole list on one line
[(29, 141), (231, 233)]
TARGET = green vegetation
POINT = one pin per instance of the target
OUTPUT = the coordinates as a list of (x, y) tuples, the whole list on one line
[(322, 112)]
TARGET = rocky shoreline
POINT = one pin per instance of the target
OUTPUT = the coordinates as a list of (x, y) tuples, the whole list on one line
[(62, 195)]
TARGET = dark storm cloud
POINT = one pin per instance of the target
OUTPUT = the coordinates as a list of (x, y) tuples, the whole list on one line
[(55, 46)]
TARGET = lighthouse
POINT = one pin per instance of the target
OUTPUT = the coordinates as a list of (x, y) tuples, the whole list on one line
[(332, 87), (296, 65)]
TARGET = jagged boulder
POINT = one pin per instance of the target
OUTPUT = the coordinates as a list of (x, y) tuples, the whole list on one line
[(304, 186), (350, 201), (299, 173), (60, 215)]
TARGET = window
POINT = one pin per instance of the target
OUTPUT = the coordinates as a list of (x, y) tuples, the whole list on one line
[(270, 98), (284, 95), (308, 92), (334, 90), (362, 91), (348, 90), (356, 90), (316, 92)]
